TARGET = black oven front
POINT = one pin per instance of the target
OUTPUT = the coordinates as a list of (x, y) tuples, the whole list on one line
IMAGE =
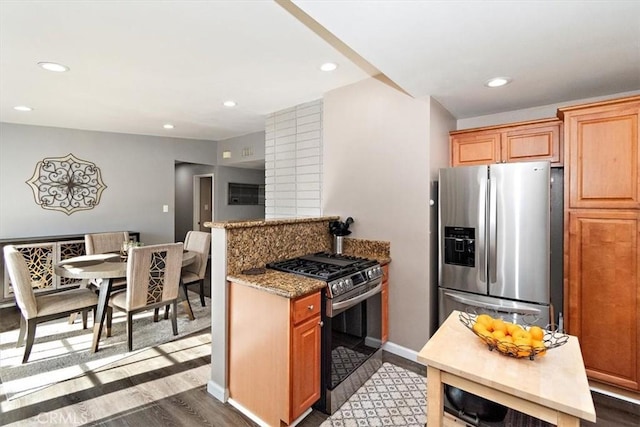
[(351, 343)]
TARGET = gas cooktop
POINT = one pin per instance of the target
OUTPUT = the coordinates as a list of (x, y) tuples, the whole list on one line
[(344, 274), (323, 265)]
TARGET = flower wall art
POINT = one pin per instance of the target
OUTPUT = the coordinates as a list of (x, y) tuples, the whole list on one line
[(66, 184)]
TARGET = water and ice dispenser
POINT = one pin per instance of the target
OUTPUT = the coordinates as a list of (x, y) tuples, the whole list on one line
[(460, 246)]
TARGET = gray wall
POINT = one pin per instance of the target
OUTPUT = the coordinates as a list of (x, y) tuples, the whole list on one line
[(138, 171), (245, 148), (222, 210)]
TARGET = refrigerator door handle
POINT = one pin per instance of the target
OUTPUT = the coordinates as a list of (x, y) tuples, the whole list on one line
[(482, 221), (515, 308), (493, 228)]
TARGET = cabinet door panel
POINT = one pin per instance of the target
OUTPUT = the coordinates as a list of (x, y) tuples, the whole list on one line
[(604, 160), (475, 149), (532, 144), (305, 366), (604, 293)]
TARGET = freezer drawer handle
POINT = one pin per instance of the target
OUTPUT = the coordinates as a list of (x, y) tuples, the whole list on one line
[(496, 307)]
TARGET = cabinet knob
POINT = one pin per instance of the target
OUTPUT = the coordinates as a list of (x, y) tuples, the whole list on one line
[(310, 307), (321, 323)]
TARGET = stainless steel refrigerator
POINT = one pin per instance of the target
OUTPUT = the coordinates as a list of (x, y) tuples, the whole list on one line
[(494, 241)]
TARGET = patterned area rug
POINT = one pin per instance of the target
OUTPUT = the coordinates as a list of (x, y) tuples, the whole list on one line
[(392, 396), (61, 351)]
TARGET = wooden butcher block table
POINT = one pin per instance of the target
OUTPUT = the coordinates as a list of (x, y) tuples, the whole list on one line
[(553, 387)]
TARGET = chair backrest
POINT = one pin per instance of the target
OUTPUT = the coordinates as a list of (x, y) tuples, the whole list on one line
[(20, 281), (101, 243), (153, 274), (200, 242)]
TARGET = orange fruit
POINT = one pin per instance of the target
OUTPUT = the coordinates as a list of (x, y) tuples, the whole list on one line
[(479, 328), (537, 333), (512, 327), (499, 325), (521, 334), (524, 347), (482, 332), (485, 320), (498, 335), (506, 345), (539, 347)]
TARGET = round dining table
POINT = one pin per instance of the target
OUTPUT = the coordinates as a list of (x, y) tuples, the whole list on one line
[(108, 267)]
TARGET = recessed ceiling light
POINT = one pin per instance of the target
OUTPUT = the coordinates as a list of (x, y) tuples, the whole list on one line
[(328, 66), (168, 126), (498, 81), (52, 66), (22, 108), (229, 103)]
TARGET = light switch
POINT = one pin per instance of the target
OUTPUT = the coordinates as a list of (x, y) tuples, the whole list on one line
[(206, 207), (165, 208)]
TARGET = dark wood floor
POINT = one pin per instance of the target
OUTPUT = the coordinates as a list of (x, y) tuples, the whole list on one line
[(166, 386)]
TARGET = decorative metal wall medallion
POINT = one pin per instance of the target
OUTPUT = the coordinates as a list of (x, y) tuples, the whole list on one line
[(66, 184)]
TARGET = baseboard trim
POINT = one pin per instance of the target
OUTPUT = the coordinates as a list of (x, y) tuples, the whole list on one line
[(253, 417), (401, 351), (616, 393), (220, 393)]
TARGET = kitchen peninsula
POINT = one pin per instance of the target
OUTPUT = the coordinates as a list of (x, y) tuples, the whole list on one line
[(266, 323)]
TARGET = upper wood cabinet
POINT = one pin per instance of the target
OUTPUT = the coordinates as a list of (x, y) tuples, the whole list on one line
[(601, 147), (516, 142)]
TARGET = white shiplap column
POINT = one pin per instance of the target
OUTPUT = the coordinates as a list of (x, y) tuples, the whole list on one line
[(293, 161)]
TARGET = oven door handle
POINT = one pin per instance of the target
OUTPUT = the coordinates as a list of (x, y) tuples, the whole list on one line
[(343, 305)]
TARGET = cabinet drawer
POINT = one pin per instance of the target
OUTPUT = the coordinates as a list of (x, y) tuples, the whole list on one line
[(305, 307)]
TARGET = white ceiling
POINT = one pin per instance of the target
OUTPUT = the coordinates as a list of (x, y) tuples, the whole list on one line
[(136, 65)]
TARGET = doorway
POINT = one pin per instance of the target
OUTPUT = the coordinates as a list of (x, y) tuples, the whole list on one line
[(202, 201)]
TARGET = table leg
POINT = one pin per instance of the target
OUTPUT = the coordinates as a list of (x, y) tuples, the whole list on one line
[(435, 397), (566, 420), (185, 302), (101, 311)]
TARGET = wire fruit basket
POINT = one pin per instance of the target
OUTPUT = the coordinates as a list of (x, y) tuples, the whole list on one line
[(512, 339)]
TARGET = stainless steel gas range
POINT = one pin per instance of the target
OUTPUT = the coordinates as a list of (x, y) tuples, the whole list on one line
[(351, 316)]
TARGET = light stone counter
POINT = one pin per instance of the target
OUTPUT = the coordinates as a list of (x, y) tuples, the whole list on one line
[(277, 282)]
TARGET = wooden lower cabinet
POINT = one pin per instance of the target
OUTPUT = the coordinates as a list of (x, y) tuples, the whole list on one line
[(603, 293), (385, 304), (305, 366), (274, 353)]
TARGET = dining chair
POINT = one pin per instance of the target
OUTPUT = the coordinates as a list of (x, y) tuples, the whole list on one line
[(153, 277), (200, 242), (36, 309), (102, 243)]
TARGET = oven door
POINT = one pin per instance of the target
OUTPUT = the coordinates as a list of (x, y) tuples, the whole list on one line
[(351, 344)]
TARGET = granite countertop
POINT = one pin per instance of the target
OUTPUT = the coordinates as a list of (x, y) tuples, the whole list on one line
[(265, 222), (287, 285)]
